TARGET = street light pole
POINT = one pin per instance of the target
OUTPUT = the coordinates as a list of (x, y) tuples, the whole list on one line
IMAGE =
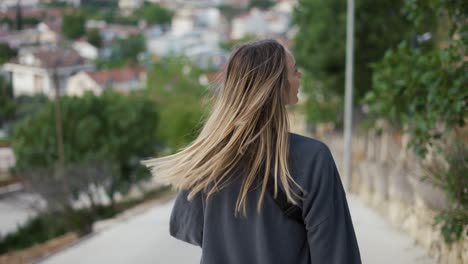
[(348, 114), (58, 119)]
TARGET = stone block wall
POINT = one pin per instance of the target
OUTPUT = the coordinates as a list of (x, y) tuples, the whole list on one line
[(387, 177)]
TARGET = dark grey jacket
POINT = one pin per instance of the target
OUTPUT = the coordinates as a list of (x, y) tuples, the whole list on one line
[(269, 237)]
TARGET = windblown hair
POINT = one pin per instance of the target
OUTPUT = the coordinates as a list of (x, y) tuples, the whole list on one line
[(248, 126)]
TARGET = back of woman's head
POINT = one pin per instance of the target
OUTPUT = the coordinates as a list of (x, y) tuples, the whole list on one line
[(256, 75), (247, 128)]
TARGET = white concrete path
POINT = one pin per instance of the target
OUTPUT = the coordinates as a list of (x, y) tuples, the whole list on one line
[(144, 239)]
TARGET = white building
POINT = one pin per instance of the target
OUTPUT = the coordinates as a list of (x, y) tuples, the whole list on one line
[(86, 50), (201, 46), (7, 159), (48, 34), (19, 39), (252, 23), (6, 4), (123, 80), (33, 73), (183, 22), (128, 6), (285, 6), (260, 23), (42, 34), (196, 34), (208, 17)]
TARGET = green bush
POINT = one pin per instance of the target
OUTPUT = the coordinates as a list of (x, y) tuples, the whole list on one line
[(36, 230), (450, 173), (421, 86)]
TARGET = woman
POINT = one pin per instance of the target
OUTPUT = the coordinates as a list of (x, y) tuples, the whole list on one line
[(233, 175)]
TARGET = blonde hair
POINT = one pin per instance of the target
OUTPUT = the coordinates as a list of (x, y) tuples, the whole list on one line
[(248, 126)]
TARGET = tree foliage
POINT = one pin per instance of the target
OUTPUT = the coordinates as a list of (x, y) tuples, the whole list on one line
[(13, 109), (228, 45), (26, 105), (154, 14), (229, 11), (6, 53), (261, 4), (319, 46), (151, 13), (112, 128), (73, 25), (124, 52), (130, 47), (423, 86), (174, 84), (94, 38), (7, 103)]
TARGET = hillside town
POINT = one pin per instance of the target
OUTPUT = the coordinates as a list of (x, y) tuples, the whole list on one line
[(92, 90), (42, 58)]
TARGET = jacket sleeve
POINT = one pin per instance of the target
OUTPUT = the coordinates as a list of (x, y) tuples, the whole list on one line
[(186, 222), (330, 231)]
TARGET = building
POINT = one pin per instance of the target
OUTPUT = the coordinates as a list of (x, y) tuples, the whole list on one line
[(20, 39), (49, 33), (44, 33), (86, 49), (260, 23), (128, 6), (34, 72), (7, 159), (194, 33), (9, 4), (123, 80), (183, 22)]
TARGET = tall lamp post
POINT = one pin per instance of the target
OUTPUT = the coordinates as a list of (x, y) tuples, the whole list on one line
[(348, 114), (58, 119)]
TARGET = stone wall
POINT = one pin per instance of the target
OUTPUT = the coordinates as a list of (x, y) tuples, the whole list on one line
[(387, 177)]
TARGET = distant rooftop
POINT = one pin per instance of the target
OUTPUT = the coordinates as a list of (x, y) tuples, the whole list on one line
[(105, 77), (49, 58)]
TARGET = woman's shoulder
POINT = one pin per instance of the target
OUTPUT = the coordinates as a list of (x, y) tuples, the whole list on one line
[(308, 152), (311, 146), (311, 162)]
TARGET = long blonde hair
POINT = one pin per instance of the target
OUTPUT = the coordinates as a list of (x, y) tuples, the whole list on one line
[(248, 126)]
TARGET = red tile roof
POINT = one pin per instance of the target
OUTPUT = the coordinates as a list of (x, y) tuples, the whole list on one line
[(105, 77)]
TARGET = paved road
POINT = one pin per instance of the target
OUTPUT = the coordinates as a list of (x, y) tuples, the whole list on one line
[(144, 239), (141, 239), (381, 243)]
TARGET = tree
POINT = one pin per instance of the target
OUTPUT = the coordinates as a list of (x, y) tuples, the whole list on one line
[(319, 46), (30, 21), (261, 4), (124, 52), (7, 103), (6, 21), (19, 17), (111, 128), (424, 85), (154, 14), (94, 38), (26, 105), (230, 12), (130, 47), (174, 84), (421, 87), (230, 44), (6, 53), (73, 25)]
